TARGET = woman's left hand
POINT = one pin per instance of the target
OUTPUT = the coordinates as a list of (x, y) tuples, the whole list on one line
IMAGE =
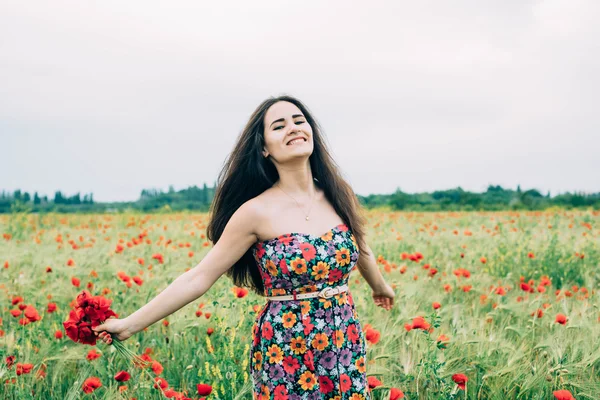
[(384, 296)]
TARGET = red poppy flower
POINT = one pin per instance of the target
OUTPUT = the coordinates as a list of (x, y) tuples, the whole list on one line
[(93, 354), (240, 292), (372, 335), (420, 323), (157, 367), (24, 368), (561, 319), (204, 389), (122, 376), (373, 382), (525, 287), (91, 384), (396, 394), (460, 380), (32, 314), (160, 382), (89, 311), (563, 395)]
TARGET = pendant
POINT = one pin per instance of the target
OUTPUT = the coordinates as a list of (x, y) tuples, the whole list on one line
[(307, 217)]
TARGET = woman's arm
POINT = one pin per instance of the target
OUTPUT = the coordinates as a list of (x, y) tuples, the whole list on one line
[(238, 235), (367, 266), (383, 293)]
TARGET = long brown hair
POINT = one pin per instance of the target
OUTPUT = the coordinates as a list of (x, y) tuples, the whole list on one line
[(246, 174)]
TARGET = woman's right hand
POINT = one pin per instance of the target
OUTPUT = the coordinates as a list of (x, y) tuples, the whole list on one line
[(115, 326)]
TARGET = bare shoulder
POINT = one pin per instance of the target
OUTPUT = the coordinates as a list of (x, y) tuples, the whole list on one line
[(237, 237), (258, 207)]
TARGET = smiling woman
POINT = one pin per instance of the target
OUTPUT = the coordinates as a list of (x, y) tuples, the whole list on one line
[(287, 225), (307, 340)]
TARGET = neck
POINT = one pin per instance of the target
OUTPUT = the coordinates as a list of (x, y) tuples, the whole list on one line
[(297, 181)]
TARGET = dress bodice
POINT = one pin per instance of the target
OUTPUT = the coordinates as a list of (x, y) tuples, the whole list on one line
[(305, 263)]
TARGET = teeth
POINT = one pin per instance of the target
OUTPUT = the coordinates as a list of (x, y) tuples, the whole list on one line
[(295, 141)]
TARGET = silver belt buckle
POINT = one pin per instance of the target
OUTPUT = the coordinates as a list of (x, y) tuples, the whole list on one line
[(325, 293)]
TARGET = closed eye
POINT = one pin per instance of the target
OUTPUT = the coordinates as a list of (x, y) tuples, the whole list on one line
[(297, 123)]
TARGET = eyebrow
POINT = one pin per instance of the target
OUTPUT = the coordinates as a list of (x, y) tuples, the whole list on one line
[(283, 119)]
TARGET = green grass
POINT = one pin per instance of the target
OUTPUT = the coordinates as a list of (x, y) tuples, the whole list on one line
[(504, 351)]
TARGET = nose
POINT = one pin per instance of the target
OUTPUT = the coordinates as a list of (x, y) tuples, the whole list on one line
[(294, 130)]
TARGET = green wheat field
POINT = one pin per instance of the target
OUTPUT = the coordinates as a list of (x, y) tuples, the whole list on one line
[(507, 299)]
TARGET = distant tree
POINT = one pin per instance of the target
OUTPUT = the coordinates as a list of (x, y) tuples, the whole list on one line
[(17, 194), (532, 193), (495, 189), (58, 198), (204, 193), (36, 198), (75, 199), (26, 197)]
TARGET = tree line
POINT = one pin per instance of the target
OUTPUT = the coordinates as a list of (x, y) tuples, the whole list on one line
[(199, 198)]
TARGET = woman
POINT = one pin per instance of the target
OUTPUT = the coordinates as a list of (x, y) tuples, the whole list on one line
[(285, 224)]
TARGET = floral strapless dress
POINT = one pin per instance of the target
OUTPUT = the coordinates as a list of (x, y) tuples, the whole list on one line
[(311, 348)]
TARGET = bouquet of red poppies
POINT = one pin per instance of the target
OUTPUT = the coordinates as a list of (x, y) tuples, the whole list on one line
[(89, 312)]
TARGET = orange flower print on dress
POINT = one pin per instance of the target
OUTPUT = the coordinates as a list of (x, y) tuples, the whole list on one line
[(320, 341), (298, 345), (299, 265), (271, 267), (320, 271), (289, 320), (342, 256), (275, 354), (307, 380)]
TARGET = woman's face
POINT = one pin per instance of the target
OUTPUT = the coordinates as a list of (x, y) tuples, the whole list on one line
[(284, 122)]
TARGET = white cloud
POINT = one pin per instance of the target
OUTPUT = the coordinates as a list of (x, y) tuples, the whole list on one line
[(115, 97)]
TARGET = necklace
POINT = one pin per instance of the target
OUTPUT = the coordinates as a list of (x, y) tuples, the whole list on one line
[(311, 202)]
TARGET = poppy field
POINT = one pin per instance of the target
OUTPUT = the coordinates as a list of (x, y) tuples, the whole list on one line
[(489, 305)]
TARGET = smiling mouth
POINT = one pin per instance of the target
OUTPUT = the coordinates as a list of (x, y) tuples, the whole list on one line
[(294, 141)]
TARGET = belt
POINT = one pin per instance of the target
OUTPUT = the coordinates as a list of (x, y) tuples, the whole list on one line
[(325, 293)]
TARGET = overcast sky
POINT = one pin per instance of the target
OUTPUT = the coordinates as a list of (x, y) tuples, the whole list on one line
[(113, 97)]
